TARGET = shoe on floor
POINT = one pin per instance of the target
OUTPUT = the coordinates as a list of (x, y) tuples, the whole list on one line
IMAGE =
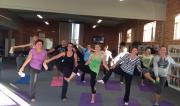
[(156, 104), (83, 81), (33, 100), (126, 103), (64, 99), (122, 82), (100, 81)]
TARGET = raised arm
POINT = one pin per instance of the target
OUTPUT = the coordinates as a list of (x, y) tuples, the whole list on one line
[(23, 46), (50, 51)]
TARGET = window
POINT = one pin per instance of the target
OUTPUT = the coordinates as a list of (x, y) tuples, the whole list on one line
[(75, 33), (129, 35), (177, 28), (149, 32)]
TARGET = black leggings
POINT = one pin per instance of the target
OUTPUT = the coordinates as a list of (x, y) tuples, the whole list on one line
[(128, 80), (66, 73), (86, 69)]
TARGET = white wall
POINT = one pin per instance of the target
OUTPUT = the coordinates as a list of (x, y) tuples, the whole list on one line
[(133, 9)]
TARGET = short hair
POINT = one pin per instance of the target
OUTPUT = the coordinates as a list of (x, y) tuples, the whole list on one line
[(39, 40), (162, 46)]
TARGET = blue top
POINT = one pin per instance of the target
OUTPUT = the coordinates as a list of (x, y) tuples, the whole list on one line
[(86, 54)]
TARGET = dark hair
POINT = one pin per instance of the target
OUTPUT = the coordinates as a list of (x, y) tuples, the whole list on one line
[(39, 40), (162, 46), (147, 48)]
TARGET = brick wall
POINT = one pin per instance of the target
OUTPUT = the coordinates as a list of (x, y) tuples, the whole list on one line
[(110, 35), (29, 29), (173, 8), (137, 33)]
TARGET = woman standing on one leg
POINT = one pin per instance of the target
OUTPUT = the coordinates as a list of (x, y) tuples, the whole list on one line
[(161, 66), (69, 61), (146, 62), (92, 66), (36, 57), (128, 63)]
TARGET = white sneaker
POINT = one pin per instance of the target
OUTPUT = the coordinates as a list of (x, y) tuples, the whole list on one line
[(83, 81), (100, 81), (78, 74), (126, 103)]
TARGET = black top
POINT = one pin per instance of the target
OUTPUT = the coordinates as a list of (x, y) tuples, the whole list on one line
[(60, 49), (68, 61)]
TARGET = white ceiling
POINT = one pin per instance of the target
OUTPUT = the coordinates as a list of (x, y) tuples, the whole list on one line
[(128, 9)]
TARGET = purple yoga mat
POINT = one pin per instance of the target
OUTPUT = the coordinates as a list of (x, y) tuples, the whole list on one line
[(85, 99), (148, 87), (164, 103), (132, 102), (78, 82), (113, 85)]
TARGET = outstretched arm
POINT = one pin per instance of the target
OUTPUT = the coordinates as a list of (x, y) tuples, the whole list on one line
[(55, 57), (23, 46)]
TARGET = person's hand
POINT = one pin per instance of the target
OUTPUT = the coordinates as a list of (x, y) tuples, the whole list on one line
[(11, 51), (20, 73), (112, 67), (157, 80), (45, 66)]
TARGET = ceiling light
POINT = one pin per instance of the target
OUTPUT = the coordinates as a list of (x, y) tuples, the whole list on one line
[(94, 26), (39, 16), (121, 0), (46, 22), (99, 21)]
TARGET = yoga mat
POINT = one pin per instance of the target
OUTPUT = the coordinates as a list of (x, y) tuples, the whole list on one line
[(148, 87), (132, 102), (85, 99), (23, 80), (113, 85), (164, 103), (78, 82), (57, 82), (24, 95)]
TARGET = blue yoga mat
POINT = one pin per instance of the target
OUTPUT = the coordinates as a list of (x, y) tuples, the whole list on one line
[(23, 80)]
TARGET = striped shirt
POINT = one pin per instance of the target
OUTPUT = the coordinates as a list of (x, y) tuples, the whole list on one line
[(128, 65)]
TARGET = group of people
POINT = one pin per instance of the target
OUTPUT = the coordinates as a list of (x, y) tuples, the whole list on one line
[(66, 59)]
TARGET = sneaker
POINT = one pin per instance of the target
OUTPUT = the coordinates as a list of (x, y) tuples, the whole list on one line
[(100, 81), (64, 99), (122, 82), (83, 81), (78, 74), (126, 103), (156, 104), (33, 100)]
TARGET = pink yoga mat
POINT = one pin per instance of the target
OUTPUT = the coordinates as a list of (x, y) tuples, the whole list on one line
[(57, 81)]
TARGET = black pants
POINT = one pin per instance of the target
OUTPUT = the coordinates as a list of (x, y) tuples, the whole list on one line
[(66, 73), (33, 81), (93, 75), (128, 80)]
